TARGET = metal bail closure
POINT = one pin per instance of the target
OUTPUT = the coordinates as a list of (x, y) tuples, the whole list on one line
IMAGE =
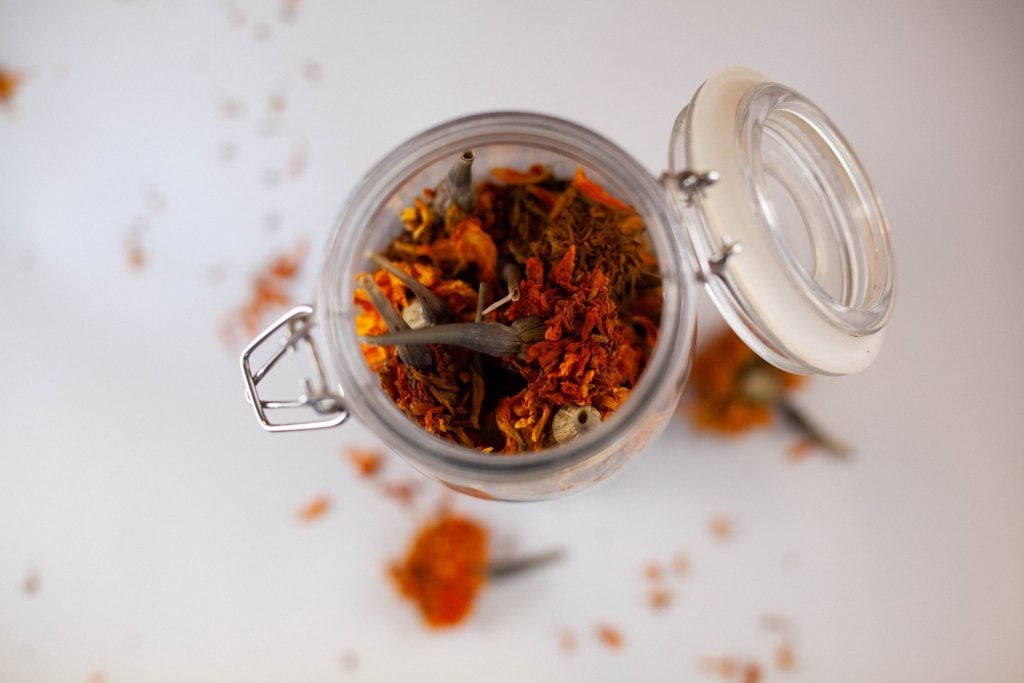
[(788, 235), (298, 323)]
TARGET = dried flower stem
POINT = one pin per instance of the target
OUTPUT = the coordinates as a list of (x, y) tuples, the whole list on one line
[(507, 568), (494, 339), (414, 356)]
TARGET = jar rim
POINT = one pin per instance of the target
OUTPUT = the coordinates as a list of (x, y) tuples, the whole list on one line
[(391, 175)]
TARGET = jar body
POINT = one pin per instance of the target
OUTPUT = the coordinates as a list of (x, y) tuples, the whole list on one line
[(369, 221)]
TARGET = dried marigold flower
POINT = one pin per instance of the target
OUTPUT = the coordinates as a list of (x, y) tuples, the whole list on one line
[(444, 569), (720, 400)]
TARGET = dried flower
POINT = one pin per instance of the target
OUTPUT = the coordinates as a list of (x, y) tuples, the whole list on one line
[(735, 390), (444, 570)]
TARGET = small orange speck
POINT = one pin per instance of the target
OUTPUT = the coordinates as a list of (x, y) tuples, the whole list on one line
[(784, 659), (136, 255), (9, 83), (349, 661), (403, 493), (680, 564), (660, 598), (31, 583), (367, 462), (261, 32), (315, 509), (277, 103), (726, 667), (312, 71), (721, 527), (800, 450), (653, 571), (752, 673), (609, 636), (567, 641)]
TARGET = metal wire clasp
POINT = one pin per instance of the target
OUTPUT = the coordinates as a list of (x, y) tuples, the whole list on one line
[(299, 323)]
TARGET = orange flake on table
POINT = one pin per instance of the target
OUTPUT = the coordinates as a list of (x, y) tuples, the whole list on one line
[(444, 569), (784, 658), (402, 492), (659, 598), (269, 291), (135, 254), (567, 641), (726, 667), (680, 564), (752, 673), (367, 462), (800, 450), (609, 636), (721, 527), (315, 509), (9, 82), (654, 571)]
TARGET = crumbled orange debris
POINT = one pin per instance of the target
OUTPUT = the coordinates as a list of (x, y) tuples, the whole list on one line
[(721, 527), (659, 598), (654, 571), (269, 291), (784, 659), (31, 583), (609, 636), (444, 569), (9, 82), (315, 509), (567, 640), (680, 564), (368, 463), (718, 400)]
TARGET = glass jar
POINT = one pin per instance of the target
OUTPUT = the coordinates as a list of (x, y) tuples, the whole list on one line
[(764, 204)]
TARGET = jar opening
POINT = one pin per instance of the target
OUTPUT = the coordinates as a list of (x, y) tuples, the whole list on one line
[(369, 220)]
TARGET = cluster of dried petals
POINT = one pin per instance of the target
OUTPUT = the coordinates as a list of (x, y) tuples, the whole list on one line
[(444, 569), (719, 401), (269, 291)]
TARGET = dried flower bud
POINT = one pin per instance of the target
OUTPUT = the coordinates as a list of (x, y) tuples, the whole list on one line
[(457, 187), (572, 421)]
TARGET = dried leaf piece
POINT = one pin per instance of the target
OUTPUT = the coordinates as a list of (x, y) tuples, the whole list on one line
[(784, 659), (609, 636), (444, 569), (314, 509), (32, 581), (367, 462), (721, 527), (591, 190)]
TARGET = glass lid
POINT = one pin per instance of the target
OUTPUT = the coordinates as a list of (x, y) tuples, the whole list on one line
[(788, 235)]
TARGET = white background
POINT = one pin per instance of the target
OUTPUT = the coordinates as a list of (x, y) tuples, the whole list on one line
[(161, 519)]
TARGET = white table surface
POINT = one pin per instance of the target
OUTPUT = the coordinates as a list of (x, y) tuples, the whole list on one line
[(161, 519)]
